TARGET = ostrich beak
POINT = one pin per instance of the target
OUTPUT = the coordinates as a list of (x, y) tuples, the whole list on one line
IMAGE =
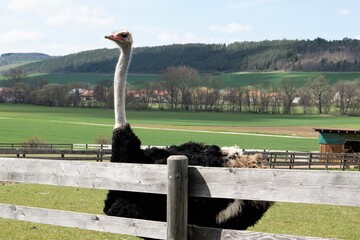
[(114, 38)]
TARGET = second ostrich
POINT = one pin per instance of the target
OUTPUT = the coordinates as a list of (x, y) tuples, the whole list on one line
[(126, 148)]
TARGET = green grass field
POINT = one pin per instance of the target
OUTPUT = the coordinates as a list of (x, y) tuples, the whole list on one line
[(91, 78), (274, 78), (82, 125), (228, 79)]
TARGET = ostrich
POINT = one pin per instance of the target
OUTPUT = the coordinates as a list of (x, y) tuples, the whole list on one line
[(126, 148)]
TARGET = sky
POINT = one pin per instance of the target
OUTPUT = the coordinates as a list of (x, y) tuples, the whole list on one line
[(60, 27)]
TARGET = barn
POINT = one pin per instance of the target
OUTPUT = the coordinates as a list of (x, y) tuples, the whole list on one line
[(338, 140)]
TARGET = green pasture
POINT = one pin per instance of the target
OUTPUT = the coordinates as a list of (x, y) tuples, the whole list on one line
[(91, 78), (83, 125), (274, 78), (235, 79), (287, 218)]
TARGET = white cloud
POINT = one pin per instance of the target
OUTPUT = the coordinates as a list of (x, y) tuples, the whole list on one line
[(231, 28), (63, 12), (18, 36), (344, 11), (168, 37)]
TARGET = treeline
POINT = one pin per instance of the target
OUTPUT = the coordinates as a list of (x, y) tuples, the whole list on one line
[(298, 55), (183, 89)]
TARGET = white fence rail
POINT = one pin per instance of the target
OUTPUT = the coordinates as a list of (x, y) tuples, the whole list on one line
[(302, 186)]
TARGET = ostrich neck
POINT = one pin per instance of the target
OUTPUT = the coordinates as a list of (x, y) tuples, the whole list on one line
[(120, 87)]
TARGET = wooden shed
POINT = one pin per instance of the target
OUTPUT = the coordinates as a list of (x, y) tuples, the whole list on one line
[(338, 140)]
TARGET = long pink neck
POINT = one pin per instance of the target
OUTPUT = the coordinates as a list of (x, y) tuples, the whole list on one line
[(120, 87)]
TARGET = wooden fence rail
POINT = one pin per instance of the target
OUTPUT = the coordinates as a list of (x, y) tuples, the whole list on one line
[(99, 155), (309, 160), (282, 185)]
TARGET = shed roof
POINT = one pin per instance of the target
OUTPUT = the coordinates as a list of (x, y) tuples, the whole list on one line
[(333, 130)]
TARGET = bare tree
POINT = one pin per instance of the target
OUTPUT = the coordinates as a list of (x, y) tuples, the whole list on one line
[(318, 88), (146, 93), (101, 91), (345, 95), (305, 101), (14, 77), (288, 89)]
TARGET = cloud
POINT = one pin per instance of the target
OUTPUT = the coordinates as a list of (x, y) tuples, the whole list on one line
[(231, 28), (168, 37), (18, 36), (344, 11), (63, 12)]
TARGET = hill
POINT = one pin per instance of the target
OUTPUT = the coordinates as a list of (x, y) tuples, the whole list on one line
[(13, 60), (290, 55)]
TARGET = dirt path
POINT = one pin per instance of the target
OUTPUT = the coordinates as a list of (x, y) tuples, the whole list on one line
[(298, 131)]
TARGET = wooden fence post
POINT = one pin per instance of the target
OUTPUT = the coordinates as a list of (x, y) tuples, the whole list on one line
[(177, 197)]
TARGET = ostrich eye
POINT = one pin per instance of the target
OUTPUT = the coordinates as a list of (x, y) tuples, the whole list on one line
[(123, 35)]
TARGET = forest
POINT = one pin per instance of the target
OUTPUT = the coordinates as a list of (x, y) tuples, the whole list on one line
[(290, 55)]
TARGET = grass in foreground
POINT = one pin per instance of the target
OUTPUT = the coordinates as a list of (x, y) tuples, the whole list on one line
[(287, 218)]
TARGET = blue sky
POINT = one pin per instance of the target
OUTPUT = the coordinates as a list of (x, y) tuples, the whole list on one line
[(60, 27)]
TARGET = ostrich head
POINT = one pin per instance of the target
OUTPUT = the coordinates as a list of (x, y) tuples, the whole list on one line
[(121, 38)]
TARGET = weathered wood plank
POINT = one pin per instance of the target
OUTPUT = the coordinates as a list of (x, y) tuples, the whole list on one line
[(136, 227), (319, 187), (54, 151), (280, 185), (115, 176), (101, 223), (225, 234)]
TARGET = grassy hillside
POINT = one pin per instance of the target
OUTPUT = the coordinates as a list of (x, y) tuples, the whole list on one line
[(253, 78), (227, 79), (296, 55)]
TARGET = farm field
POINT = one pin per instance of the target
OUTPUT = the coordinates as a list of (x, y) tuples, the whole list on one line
[(83, 125), (235, 79), (274, 78), (91, 78)]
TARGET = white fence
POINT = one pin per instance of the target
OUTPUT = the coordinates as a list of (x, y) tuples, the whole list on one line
[(279, 185)]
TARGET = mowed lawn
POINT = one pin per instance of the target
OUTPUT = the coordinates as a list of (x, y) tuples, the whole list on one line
[(77, 125)]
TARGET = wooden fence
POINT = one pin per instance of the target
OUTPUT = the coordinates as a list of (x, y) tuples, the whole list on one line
[(58, 154), (58, 146), (274, 159), (279, 185), (309, 160)]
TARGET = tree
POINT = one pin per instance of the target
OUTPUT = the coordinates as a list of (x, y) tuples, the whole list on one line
[(102, 91), (345, 95), (288, 90), (305, 101), (146, 93), (14, 77), (318, 88), (177, 81)]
